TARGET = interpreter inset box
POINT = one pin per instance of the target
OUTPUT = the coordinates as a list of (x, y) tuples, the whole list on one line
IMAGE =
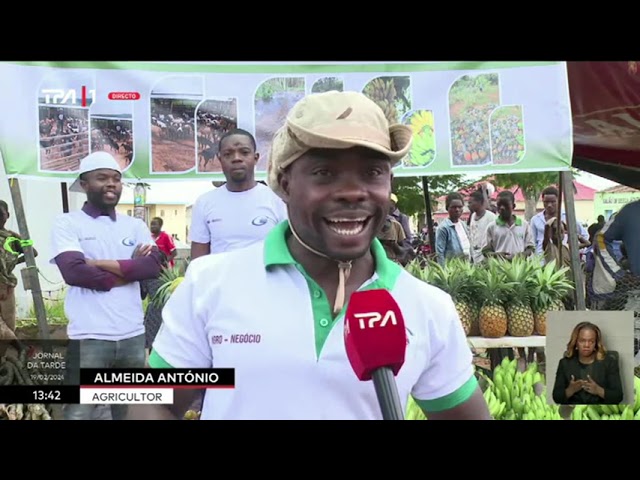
[(590, 357)]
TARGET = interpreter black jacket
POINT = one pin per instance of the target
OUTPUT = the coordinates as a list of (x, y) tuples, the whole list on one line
[(605, 373)]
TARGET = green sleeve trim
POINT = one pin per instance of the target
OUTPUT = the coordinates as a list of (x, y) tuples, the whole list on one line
[(156, 361), (450, 401)]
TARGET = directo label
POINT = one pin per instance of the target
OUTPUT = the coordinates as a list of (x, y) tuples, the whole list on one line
[(124, 96)]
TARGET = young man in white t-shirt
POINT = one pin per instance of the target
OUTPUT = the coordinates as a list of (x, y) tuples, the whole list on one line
[(335, 175), (240, 212), (102, 255), (479, 220)]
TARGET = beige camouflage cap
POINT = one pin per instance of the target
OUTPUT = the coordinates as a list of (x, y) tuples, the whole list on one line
[(335, 120)]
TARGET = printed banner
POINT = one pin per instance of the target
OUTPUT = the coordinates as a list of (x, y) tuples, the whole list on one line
[(163, 121)]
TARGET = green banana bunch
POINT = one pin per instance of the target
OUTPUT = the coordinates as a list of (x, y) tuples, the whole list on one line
[(516, 390), (496, 406), (413, 411), (610, 412)]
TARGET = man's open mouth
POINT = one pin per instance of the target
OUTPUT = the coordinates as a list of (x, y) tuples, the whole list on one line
[(347, 226)]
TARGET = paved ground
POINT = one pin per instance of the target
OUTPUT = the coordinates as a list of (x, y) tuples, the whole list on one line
[(102, 412)]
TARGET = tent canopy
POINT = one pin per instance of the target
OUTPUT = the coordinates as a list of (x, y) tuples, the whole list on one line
[(605, 103)]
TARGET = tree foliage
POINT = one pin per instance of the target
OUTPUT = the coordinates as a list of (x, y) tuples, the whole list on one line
[(530, 184), (410, 194)]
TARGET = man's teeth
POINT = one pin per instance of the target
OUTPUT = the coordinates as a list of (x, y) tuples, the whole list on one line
[(349, 226), (337, 220)]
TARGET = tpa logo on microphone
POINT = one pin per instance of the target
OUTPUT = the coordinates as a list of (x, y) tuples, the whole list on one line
[(375, 318)]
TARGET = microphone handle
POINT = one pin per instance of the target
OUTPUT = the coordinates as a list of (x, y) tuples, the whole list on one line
[(387, 393)]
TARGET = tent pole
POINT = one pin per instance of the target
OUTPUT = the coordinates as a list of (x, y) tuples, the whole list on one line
[(574, 246), (429, 213), (30, 276)]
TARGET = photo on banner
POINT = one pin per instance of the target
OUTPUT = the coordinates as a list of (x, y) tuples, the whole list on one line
[(214, 118), (272, 101), (173, 141), (590, 358), (111, 127), (64, 100)]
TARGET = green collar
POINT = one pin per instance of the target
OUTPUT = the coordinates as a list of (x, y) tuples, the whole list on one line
[(502, 223), (276, 252)]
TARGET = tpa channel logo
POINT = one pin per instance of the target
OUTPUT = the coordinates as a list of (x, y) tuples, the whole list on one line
[(85, 97), (375, 319), (68, 96)]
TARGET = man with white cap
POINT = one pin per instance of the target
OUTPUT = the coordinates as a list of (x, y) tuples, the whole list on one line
[(275, 310), (102, 255)]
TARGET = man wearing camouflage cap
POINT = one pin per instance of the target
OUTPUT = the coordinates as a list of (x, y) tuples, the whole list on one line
[(331, 163)]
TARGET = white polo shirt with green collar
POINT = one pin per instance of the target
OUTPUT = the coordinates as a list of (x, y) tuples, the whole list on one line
[(256, 310)]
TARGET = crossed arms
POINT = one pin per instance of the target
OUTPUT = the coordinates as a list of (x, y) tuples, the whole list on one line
[(103, 275)]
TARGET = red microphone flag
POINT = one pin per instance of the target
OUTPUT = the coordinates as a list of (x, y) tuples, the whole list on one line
[(374, 333)]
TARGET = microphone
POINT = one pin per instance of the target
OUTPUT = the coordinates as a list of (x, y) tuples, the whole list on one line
[(376, 341)]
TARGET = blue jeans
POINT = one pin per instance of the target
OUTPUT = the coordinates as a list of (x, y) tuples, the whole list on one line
[(128, 353)]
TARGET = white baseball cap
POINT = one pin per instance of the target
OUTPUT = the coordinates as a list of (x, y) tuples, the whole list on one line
[(94, 161)]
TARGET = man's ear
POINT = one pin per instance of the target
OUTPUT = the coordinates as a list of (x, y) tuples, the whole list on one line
[(284, 181)]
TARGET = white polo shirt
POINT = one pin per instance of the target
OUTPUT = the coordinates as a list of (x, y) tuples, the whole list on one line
[(294, 365), (118, 313), (230, 220)]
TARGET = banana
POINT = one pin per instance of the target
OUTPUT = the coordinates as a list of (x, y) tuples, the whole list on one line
[(627, 413), (518, 406), (493, 404), (498, 379), (615, 409), (519, 380), (528, 380), (592, 413), (604, 417), (606, 409), (578, 410), (537, 402), (637, 415), (487, 395), (508, 380), (507, 397), (636, 406), (537, 378), (505, 362)]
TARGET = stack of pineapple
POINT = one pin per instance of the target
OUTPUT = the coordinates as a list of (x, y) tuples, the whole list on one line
[(500, 297)]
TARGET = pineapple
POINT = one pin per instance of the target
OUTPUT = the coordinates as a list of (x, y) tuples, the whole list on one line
[(549, 287), (451, 278), (521, 322), (493, 319), (470, 293), (415, 269), (170, 278)]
